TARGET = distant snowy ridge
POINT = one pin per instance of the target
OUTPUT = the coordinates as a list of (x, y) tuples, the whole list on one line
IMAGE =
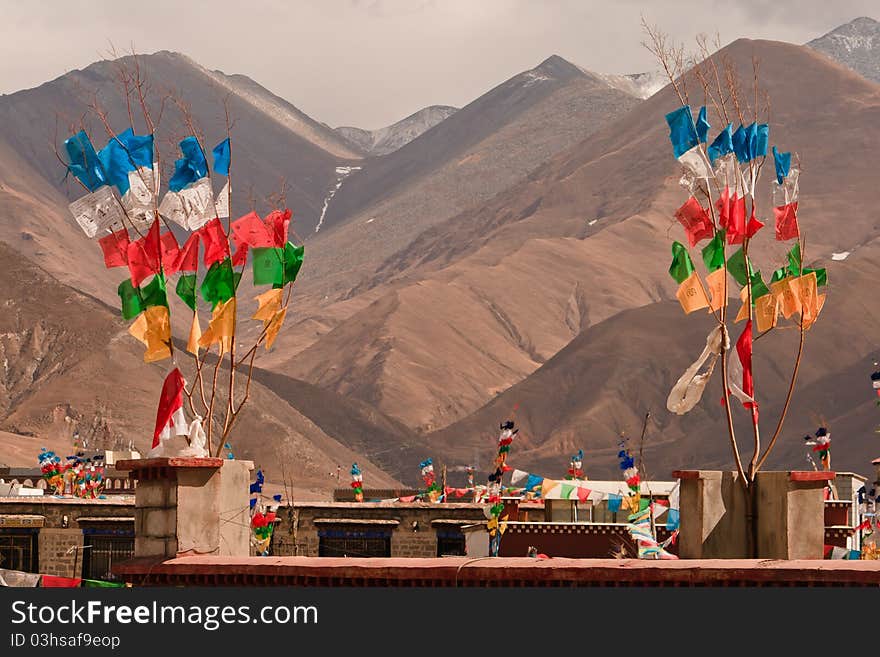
[(856, 45), (640, 85), (390, 138)]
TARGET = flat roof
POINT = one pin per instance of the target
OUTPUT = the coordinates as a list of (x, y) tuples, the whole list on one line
[(115, 500)]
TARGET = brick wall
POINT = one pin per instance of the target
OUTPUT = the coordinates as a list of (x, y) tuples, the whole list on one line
[(297, 532), (54, 540)]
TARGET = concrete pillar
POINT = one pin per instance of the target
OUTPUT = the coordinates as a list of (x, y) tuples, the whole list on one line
[(790, 515), (187, 506)]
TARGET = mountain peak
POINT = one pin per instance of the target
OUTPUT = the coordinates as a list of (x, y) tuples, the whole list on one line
[(557, 67), (856, 45)]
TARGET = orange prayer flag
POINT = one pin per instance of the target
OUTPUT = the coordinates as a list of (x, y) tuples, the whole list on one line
[(691, 294), (270, 304), (805, 290), (195, 333), (716, 282), (789, 304), (809, 319), (744, 309), (766, 312), (274, 326), (153, 328), (221, 329)]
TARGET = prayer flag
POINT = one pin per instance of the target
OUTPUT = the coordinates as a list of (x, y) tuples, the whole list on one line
[(97, 211), (696, 222), (691, 294), (170, 420), (186, 290), (713, 252), (170, 253), (251, 230), (144, 255), (782, 161), (132, 304), (744, 310), (736, 265), (682, 266), (269, 303), (188, 255), (221, 329), (222, 156), (220, 283), (83, 162), (716, 281), (195, 334), (766, 312), (53, 581), (268, 266), (682, 130), (722, 145), (786, 222), (789, 304), (153, 328), (191, 167), (744, 351), (277, 223), (115, 248), (214, 239)]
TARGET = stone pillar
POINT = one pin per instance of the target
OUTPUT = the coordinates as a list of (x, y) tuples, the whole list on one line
[(790, 515), (188, 506), (712, 515)]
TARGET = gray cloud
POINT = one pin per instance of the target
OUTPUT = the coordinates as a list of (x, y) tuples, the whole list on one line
[(371, 62)]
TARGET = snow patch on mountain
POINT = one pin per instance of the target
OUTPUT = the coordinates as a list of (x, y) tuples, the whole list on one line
[(341, 174), (856, 45)]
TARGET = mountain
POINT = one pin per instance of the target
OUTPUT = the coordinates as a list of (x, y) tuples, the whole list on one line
[(67, 355), (274, 144), (640, 85), (856, 45), (480, 301), (390, 138)]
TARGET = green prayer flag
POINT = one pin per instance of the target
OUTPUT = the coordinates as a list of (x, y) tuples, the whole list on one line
[(98, 584), (293, 260), (736, 265), (779, 274), (186, 290), (268, 266), (682, 266), (759, 288), (132, 303), (220, 283), (153, 293), (821, 275), (794, 260), (713, 252), (644, 503), (566, 490)]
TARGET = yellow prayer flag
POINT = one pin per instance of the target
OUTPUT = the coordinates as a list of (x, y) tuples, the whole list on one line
[(546, 486), (270, 304), (195, 332), (789, 304), (221, 329), (766, 312), (805, 290), (744, 309), (153, 328), (691, 294), (274, 326), (810, 319), (716, 282)]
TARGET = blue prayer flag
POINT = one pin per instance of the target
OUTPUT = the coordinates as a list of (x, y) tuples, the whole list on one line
[(761, 142), (221, 154), (191, 167), (533, 481), (703, 126), (722, 145), (673, 518), (83, 161), (682, 131), (783, 164), (741, 144), (253, 502), (614, 502)]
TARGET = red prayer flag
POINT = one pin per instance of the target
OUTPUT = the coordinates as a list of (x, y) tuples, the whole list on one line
[(188, 255), (216, 244), (115, 248), (583, 494), (144, 255), (696, 222), (169, 401), (408, 498), (240, 255), (53, 581), (277, 223), (744, 351), (732, 216), (170, 253), (251, 230), (786, 222)]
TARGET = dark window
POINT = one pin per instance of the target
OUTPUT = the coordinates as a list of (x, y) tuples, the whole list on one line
[(450, 544), (18, 550), (344, 543), (100, 552)]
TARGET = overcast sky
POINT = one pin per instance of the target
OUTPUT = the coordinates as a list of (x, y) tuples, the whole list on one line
[(369, 63)]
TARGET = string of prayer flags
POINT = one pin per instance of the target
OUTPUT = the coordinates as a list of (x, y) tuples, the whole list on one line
[(695, 220), (170, 420), (222, 155), (221, 328), (357, 483), (153, 328), (54, 581)]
